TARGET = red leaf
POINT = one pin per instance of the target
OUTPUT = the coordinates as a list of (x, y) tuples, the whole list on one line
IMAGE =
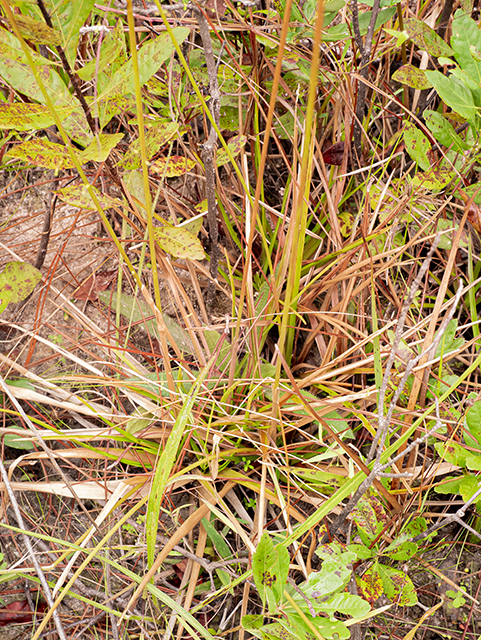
[(94, 284), (334, 154), (18, 611)]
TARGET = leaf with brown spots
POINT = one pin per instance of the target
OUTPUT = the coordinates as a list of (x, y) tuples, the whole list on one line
[(398, 586), (172, 166), (17, 281)]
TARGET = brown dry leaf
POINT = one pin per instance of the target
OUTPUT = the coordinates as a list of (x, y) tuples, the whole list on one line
[(97, 282)]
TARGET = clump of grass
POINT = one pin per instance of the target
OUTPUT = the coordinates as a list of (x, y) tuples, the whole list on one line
[(163, 429)]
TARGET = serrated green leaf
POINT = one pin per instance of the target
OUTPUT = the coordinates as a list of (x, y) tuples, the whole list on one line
[(417, 145), (29, 117), (454, 93), (426, 38), (412, 76), (17, 282)]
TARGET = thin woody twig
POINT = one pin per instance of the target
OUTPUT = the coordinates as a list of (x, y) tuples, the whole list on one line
[(364, 69), (378, 469), (208, 153)]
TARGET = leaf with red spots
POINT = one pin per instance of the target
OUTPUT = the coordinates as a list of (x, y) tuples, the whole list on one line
[(370, 585)]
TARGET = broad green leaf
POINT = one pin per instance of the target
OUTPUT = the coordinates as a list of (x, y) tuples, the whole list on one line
[(78, 195), (179, 242), (68, 19), (345, 603), (417, 145), (150, 57), (398, 586), (29, 117), (383, 16), (370, 585), (412, 76), (333, 576), (252, 621), (276, 631), (235, 145), (473, 420), (361, 551), (167, 460), (426, 38), (328, 629), (454, 93), (110, 48), (466, 42), (37, 31), (172, 166), (270, 566), (448, 342), (17, 282), (465, 486), (155, 137), (100, 147), (217, 539), (139, 420), (401, 550), (452, 452), (42, 153), (136, 310)]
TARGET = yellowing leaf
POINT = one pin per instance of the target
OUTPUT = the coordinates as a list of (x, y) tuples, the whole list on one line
[(29, 117), (173, 166), (155, 137), (179, 242), (100, 147), (17, 281), (235, 145), (37, 31), (78, 196), (43, 153)]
